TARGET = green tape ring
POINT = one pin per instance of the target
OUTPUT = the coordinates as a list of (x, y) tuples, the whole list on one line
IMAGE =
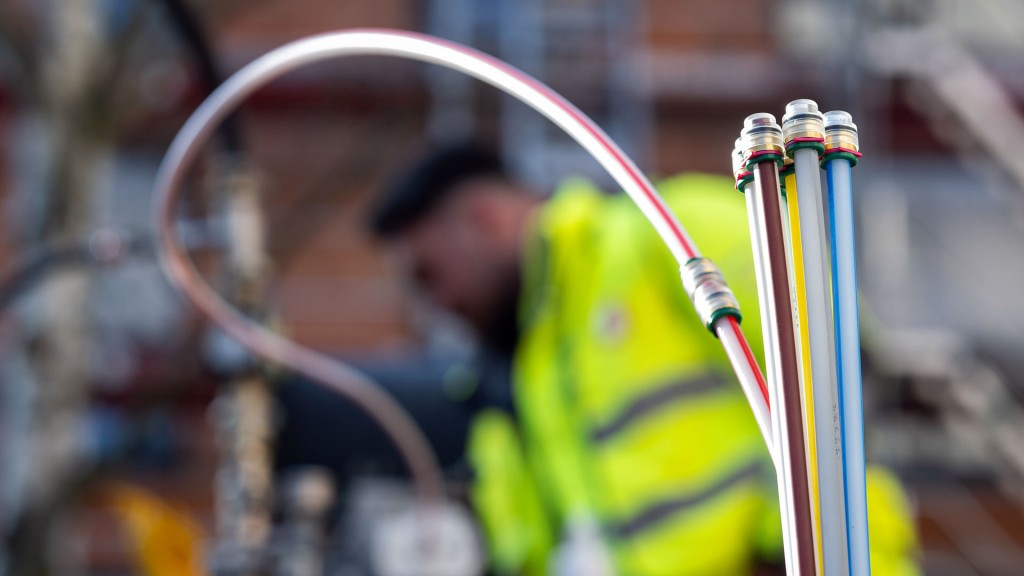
[(735, 313), (839, 154), (754, 160), (792, 147)]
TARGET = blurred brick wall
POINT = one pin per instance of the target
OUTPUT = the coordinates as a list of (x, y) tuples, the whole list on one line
[(326, 141), (710, 68), (334, 288), (264, 23)]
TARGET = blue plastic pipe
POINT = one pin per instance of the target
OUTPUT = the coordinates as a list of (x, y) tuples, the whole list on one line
[(848, 368)]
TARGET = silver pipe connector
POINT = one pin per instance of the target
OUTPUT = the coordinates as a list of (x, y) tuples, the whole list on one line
[(840, 131), (737, 159), (761, 134), (739, 164), (706, 287), (803, 120)]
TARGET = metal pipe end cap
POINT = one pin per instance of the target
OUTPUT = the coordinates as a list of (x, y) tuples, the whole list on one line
[(738, 162), (761, 133), (804, 120), (840, 131)]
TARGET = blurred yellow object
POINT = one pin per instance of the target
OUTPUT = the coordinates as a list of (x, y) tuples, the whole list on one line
[(626, 410), (165, 538), (514, 523), (893, 536), (629, 412)]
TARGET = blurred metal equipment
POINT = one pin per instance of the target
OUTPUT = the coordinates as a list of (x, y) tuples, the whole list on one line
[(309, 496), (243, 412), (581, 49), (104, 247), (974, 442), (71, 105), (982, 415), (586, 50), (452, 98), (959, 84), (381, 533), (54, 331)]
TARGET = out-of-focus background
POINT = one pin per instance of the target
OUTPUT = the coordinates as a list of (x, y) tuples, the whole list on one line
[(123, 417)]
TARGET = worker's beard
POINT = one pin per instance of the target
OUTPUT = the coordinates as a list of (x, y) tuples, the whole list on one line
[(500, 333)]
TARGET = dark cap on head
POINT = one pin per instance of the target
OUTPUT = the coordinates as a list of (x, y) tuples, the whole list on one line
[(423, 186)]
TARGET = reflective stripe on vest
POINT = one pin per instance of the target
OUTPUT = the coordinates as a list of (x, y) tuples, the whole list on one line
[(653, 400), (662, 511)]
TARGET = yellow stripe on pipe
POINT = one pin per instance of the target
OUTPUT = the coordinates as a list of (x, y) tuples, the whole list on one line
[(804, 352)]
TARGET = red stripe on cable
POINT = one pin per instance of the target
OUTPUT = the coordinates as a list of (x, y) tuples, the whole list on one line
[(751, 360)]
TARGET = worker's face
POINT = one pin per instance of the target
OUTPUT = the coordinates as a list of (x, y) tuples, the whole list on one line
[(457, 260)]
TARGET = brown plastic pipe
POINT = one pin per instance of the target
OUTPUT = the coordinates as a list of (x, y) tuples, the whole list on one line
[(766, 184)]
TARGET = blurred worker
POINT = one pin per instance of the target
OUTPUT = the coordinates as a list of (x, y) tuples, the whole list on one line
[(629, 447)]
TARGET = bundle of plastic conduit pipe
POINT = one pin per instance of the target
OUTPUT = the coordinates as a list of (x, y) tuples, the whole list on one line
[(713, 300), (813, 356), (832, 339), (794, 268), (803, 131)]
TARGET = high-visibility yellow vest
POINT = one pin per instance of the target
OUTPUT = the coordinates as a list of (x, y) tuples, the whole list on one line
[(628, 410), (505, 498)]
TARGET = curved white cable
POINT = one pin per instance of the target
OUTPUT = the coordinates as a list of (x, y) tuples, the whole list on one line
[(228, 96), (737, 357), (476, 64)]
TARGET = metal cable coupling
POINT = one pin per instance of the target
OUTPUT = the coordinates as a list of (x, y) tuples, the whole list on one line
[(841, 139), (739, 166), (803, 125), (711, 296), (840, 131), (788, 166), (762, 139)]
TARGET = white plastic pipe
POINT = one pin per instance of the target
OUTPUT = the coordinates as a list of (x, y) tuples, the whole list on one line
[(826, 404), (766, 329), (734, 349), (772, 375)]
